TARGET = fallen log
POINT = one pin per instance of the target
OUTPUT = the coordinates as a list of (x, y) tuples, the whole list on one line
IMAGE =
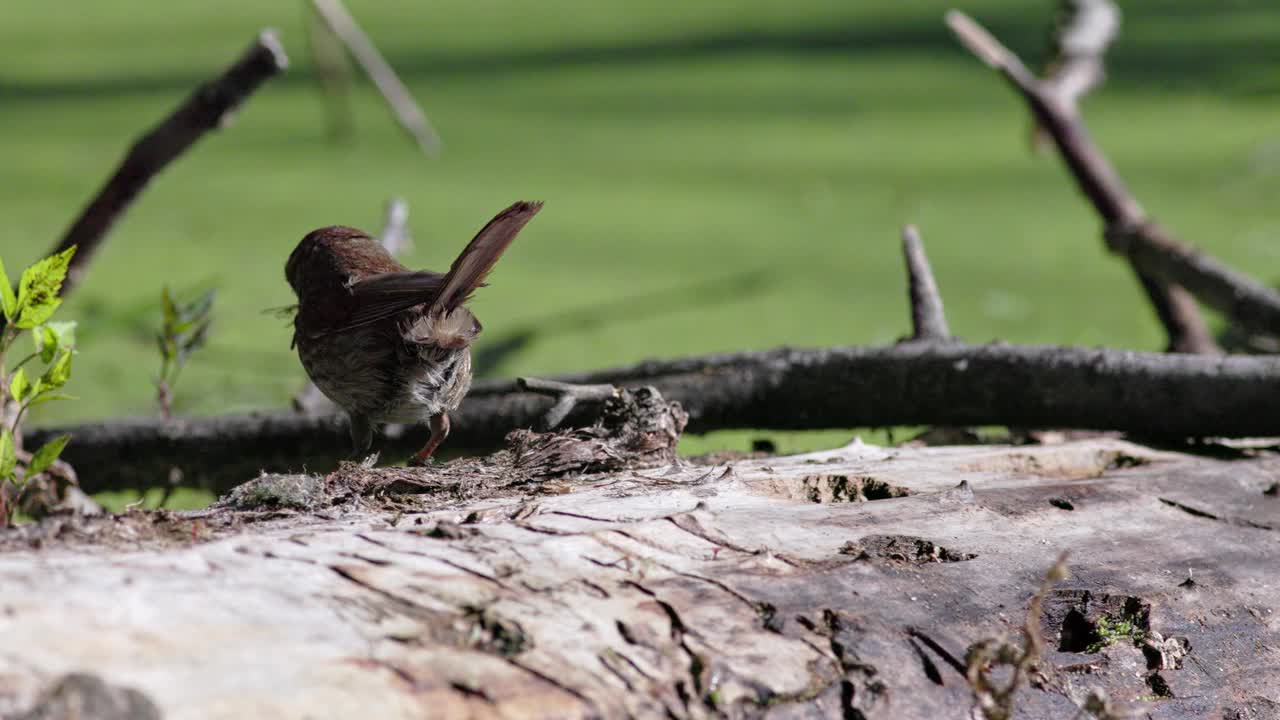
[(930, 379), (855, 582), (912, 383)]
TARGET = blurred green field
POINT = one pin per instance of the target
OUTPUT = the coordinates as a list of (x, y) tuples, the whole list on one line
[(718, 176)]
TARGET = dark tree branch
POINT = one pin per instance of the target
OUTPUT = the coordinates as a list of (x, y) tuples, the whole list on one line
[(1175, 306), (1160, 261), (928, 320), (407, 112), (914, 383), (567, 397), (208, 108)]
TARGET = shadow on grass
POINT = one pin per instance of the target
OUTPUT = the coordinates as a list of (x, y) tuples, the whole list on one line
[(1203, 45), (490, 357)]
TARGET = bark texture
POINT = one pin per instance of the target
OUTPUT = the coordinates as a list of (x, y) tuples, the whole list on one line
[(912, 383), (845, 583)]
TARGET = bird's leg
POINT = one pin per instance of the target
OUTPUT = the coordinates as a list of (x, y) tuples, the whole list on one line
[(361, 435), (439, 431)]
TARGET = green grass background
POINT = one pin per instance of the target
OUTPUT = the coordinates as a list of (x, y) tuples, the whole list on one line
[(718, 175)]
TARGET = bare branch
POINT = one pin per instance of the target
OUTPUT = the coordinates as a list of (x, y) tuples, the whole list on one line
[(1096, 177), (1083, 30), (1160, 261), (1179, 313), (989, 50), (333, 73), (406, 110), (928, 320), (208, 108), (567, 397), (1149, 394)]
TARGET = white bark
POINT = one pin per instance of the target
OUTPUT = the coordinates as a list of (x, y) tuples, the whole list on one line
[(690, 591)]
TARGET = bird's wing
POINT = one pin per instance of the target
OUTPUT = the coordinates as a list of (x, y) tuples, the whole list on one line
[(382, 296), (468, 271)]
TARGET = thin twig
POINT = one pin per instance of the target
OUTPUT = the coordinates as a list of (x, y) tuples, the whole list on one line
[(208, 108), (333, 72), (928, 320), (995, 700), (1161, 262), (1082, 32), (568, 396), (406, 110)]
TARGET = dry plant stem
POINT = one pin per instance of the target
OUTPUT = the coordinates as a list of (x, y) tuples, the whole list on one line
[(567, 397), (928, 320), (1160, 261), (996, 702), (406, 110), (332, 72), (208, 108)]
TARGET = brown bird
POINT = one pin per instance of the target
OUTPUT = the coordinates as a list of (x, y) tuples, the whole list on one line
[(386, 344)]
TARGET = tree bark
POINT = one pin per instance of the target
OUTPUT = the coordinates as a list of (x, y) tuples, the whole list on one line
[(912, 383), (843, 583)]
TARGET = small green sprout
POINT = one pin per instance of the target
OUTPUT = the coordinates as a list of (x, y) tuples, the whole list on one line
[(184, 330), (27, 385)]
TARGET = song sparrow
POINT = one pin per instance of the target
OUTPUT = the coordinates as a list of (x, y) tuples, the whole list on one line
[(384, 343)]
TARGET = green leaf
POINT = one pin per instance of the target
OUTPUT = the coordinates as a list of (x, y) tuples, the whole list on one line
[(49, 397), (52, 336), (46, 343), (45, 456), (20, 386), (8, 301), (58, 373), (198, 310), (169, 307), (38, 289), (165, 345), (188, 344), (64, 331), (8, 455)]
